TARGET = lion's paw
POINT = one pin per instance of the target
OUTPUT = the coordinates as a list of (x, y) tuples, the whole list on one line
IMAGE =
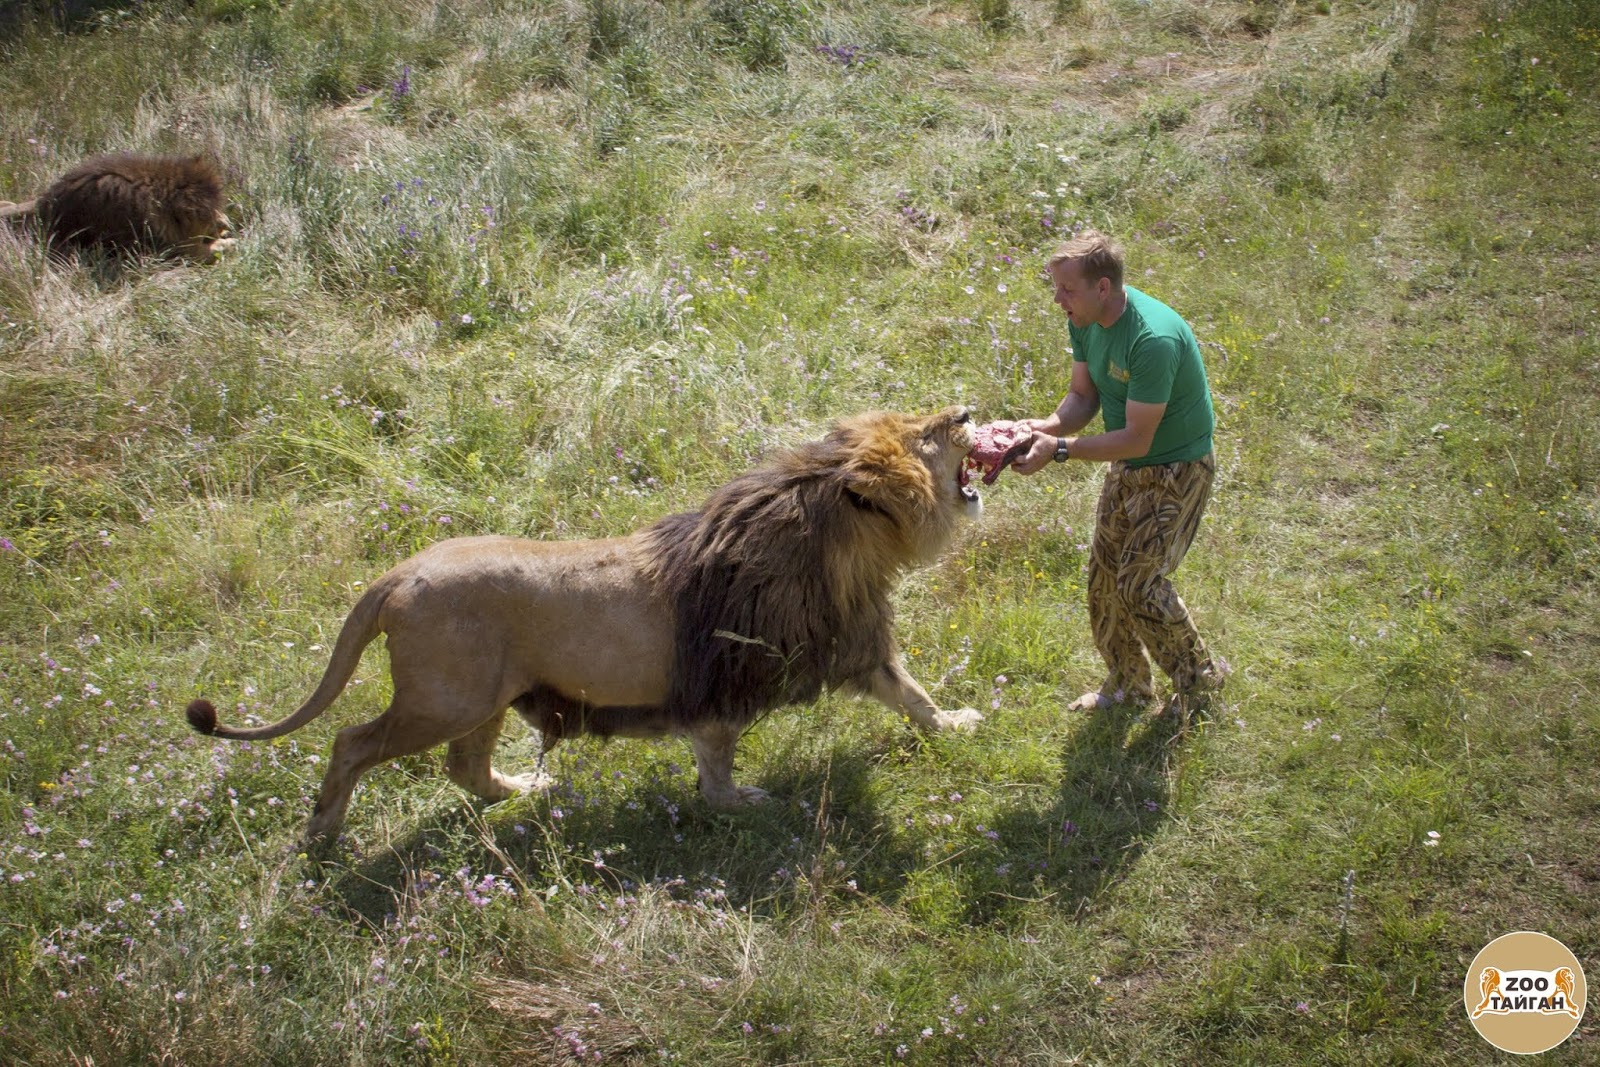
[(532, 782), (961, 720), (217, 249), (740, 796)]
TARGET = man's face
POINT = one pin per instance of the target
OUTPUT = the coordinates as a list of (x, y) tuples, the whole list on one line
[(1081, 299)]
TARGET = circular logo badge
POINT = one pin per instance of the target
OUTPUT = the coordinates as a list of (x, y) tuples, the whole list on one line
[(1525, 992)]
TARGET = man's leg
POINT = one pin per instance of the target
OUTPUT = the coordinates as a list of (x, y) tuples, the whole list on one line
[(1115, 636), (1163, 513)]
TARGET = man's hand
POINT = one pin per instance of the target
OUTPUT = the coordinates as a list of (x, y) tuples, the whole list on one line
[(1040, 453)]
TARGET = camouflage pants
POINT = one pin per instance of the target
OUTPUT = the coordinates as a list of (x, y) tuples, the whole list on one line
[(1145, 522)]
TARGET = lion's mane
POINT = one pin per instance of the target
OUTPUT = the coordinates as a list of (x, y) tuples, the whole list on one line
[(781, 583), (128, 202)]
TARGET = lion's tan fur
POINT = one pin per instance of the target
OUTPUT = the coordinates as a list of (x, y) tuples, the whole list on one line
[(131, 203), (776, 590)]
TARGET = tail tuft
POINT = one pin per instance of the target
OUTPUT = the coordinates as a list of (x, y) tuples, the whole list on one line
[(202, 715)]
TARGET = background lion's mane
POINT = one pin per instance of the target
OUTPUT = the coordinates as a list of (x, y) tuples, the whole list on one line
[(128, 202)]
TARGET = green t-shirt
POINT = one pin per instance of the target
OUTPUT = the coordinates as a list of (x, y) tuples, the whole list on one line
[(1149, 355)]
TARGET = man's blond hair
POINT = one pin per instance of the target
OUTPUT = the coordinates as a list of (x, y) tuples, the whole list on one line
[(1097, 256)]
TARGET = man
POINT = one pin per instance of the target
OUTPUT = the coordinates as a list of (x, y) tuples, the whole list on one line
[(1135, 361)]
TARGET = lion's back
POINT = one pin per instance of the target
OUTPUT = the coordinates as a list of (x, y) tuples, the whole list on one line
[(577, 616)]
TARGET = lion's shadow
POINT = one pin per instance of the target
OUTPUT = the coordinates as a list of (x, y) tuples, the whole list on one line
[(824, 833), (815, 835)]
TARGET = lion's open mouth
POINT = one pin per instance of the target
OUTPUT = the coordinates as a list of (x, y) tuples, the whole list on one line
[(967, 492)]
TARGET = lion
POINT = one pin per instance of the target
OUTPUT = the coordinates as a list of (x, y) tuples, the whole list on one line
[(163, 205), (776, 590)]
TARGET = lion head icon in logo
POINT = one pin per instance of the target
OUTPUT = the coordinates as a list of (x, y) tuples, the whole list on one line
[(1567, 982), (1488, 983)]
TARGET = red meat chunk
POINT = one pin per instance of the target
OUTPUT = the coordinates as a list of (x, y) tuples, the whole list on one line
[(994, 448)]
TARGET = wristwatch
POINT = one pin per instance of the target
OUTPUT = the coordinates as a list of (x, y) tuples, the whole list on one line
[(1061, 450)]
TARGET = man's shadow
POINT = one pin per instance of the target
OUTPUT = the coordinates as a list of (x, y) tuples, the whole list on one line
[(1113, 796)]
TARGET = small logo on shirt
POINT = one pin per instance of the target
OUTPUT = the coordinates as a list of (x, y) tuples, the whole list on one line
[(1119, 373)]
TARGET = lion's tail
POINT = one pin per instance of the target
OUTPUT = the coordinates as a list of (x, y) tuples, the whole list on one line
[(8, 210), (358, 632)]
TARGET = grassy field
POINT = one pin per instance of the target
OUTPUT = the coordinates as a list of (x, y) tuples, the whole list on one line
[(557, 269)]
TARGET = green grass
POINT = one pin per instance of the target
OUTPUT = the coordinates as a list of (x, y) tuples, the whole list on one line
[(556, 270)]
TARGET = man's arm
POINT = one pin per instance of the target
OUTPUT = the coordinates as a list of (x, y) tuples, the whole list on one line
[(1130, 442), (1076, 409)]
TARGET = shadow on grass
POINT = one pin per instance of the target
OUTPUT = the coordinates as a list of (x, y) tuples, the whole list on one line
[(66, 16), (1113, 796), (822, 834), (820, 830)]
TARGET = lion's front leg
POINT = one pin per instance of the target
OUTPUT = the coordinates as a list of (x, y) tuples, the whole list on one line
[(714, 744), (896, 688)]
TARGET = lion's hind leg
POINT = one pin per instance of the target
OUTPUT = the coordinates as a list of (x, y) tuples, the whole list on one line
[(714, 744), (356, 750), (469, 763), (409, 725)]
